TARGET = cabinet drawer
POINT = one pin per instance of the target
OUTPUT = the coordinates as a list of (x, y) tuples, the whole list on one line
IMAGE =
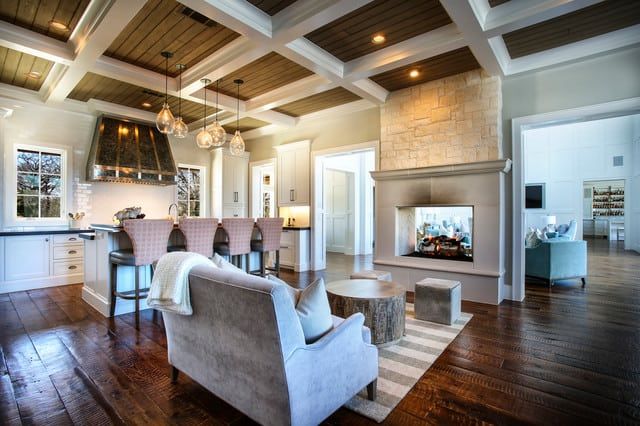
[(68, 267), (287, 238), (66, 239), (69, 251)]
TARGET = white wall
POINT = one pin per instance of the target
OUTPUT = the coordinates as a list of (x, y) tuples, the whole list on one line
[(564, 157), (100, 200), (632, 233)]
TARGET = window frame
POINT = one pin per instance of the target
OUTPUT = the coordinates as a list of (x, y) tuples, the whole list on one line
[(12, 190), (203, 187)]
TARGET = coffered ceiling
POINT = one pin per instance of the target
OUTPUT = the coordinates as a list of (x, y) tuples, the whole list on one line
[(296, 57), (53, 18)]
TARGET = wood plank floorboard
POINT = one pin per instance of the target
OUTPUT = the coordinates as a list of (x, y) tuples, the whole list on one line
[(566, 355)]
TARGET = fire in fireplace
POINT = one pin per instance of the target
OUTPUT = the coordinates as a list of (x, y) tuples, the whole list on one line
[(440, 232)]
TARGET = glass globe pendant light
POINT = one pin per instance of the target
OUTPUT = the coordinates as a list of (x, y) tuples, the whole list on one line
[(180, 129), (164, 119), (218, 134), (203, 139), (236, 146)]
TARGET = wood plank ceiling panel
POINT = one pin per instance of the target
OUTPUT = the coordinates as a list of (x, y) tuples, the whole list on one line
[(110, 90), (245, 125), (15, 67), (36, 15), (349, 37), (324, 100), (450, 63), (582, 24), (262, 75), (271, 7), (168, 25)]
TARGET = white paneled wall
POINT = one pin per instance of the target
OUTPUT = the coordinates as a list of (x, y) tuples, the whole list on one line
[(563, 157), (633, 229)]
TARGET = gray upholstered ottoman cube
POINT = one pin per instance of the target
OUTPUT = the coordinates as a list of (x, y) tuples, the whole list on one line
[(371, 274), (438, 300)]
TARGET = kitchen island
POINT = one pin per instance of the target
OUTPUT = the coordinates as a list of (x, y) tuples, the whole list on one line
[(106, 238)]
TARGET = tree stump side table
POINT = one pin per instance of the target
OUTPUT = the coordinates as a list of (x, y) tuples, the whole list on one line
[(381, 302)]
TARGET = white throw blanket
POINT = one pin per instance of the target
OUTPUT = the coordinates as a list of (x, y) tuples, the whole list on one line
[(169, 290)]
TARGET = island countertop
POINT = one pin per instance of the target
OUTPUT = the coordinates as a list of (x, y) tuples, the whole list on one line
[(43, 231), (112, 228)]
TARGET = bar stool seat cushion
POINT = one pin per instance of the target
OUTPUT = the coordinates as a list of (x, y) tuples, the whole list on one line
[(256, 245), (221, 248), (176, 248), (123, 257)]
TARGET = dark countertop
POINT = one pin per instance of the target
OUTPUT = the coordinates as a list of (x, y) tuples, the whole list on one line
[(50, 231), (111, 228)]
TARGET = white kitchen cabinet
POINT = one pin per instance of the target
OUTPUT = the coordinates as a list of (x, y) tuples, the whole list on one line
[(42, 260), (293, 174), (230, 184), (27, 257), (294, 249)]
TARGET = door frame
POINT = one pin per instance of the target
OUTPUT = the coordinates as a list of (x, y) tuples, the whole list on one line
[(318, 237), (518, 126), (254, 164)]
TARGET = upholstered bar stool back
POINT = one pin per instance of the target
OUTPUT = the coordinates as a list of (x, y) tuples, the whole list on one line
[(238, 242), (271, 231), (199, 234), (149, 239)]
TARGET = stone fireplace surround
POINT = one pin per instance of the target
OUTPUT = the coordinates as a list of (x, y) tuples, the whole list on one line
[(479, 184)]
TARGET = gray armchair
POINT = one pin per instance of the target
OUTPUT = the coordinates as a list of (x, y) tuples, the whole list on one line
[(245, 344)]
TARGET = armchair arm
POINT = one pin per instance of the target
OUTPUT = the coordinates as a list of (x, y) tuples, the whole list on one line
[(326, 374)]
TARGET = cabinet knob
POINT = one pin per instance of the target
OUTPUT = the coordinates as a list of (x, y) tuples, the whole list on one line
[(72, 239), (73, 267), (72, 252), (46, 240)]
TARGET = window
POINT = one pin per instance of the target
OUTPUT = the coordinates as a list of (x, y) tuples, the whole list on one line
[(39, 183), (190, 190)]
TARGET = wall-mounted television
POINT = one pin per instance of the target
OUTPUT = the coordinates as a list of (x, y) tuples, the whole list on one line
[(534, 196)]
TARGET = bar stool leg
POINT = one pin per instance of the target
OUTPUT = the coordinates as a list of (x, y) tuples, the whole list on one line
[(247, 266), (262, 270), (151, 272), (114, 288), (137, 299), (278, 263)]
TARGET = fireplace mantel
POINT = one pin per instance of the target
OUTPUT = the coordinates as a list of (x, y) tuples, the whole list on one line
[(494, 166)]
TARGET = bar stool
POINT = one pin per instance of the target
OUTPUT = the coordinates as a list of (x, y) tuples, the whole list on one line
[(149, 240), (271, 231), (199, 234), (238, 242)]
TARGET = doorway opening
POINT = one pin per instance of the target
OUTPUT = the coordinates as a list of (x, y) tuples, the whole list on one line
[(263, 181), (344, 204)]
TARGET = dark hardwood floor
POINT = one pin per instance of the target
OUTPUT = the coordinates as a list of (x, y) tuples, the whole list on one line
[(566, 355)]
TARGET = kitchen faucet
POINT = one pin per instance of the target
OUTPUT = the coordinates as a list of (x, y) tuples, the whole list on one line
[(175, 218)]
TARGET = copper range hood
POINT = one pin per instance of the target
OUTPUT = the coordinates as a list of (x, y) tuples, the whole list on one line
[(128, 151)]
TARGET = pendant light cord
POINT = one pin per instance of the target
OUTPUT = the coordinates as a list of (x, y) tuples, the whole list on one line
[(238, 109), (205, 107), (166, 76), (217, 92), (180, 96)]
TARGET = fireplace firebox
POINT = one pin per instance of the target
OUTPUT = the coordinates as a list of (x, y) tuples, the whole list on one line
[(438, 232)]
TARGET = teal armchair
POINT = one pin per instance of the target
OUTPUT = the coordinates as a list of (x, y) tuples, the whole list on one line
[(557, 259)]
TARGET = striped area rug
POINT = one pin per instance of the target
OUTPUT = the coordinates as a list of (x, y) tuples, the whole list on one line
[(401, 365)]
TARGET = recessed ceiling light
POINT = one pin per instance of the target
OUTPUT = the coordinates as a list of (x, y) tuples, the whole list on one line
[(58, 25), (146, 104), (378, 38), (414, 73), (33, 74)]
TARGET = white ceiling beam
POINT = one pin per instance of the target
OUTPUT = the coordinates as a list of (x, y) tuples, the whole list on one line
[(415, 49), (98, 107), (33, 43), (98, 27), (625, 37), (464, 16), (239, 16), (292, 92), (231, 57), (305, 16), (516, 14)]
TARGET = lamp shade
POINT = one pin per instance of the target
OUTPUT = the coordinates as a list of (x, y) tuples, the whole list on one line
[(549, 220)]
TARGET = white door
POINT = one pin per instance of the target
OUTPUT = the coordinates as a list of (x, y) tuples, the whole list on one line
[(228, 180), (26, 257), (286, 177), (338, 210), (301, 177)]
